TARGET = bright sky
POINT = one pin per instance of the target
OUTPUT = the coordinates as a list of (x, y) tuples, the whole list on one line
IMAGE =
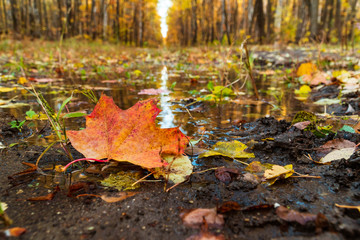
[(162, 8)]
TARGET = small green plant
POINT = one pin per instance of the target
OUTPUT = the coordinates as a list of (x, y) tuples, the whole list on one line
[(17, 124)]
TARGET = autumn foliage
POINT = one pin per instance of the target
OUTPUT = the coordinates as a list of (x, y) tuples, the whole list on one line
[(127, 135)]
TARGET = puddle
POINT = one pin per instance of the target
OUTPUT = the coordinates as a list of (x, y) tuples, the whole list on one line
[(205, 115)]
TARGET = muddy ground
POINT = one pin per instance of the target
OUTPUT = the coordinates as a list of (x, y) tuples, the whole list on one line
[(154, 213)]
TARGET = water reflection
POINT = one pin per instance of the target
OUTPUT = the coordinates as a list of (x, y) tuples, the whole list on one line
[(166, 115)]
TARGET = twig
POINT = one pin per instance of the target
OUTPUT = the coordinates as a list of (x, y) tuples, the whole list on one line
[(206, 170), (138, 181), (83, 159)]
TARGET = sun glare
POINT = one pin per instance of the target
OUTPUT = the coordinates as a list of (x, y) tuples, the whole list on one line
[(162, 9)]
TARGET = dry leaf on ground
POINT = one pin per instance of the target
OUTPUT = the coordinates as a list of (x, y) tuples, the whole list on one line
[(234, 149), (290, 215), (194, 217), (127, 135)]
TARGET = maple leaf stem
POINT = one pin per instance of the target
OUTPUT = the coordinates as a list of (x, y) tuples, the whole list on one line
[(83, 159)]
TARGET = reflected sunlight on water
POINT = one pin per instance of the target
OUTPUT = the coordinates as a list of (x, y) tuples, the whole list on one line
[(166, 115)]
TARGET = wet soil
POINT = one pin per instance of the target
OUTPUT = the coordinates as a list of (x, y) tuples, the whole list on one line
[(154, 213)]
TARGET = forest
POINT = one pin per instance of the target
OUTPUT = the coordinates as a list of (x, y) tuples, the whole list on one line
[(180, 119), (190, 22)]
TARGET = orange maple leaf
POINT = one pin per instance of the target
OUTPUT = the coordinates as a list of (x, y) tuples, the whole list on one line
[(127, 135)]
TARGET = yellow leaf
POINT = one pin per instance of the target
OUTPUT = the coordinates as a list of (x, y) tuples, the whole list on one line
[(6, 89), (304, 90), (306, 68), (22, 80), (178, 169), (234, 149), (279, 171)]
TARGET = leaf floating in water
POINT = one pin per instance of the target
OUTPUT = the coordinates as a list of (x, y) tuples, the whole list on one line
[(234, 149)]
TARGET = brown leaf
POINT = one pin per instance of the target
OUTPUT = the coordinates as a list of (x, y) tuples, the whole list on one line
[(229, 206), (47, 197), (119, 197), (194, 217), (338, 143), (76, 187), (32, 168), (302, 125), (290, 215), (110, 199), (225, 174)]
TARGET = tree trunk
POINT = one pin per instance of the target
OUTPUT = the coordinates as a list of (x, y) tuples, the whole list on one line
[(302, 18), (140, 23), (260, 19), (5, 17), (314, 8), (60, 21), (194, 21), (278, 19), (250, 16), (41, 20), (329, 20), (46, 20), (235, 21), (93, 24), (117, 21), (13, 7), (352, 22), (105, 19), (269, 21), (338, 20), (227, 29)]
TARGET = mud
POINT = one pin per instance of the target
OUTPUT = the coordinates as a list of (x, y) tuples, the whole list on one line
[(154, 213)]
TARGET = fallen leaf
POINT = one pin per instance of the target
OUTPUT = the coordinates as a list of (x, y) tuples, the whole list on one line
[(225, 174), (315, 79), (338, 155), (206, 236), (347, 128), (122, 180), (234, 149), (119, 197), (348, 207), (127, 135), (277, 171), (47, 197), (153, 91), (302, 125), (229, 206), (327, 101), (6, 89), (14, 232), (290, 215), (338, 143), (269, 173), (306, 68), (304, 90), (178, 169), (194, 217)]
